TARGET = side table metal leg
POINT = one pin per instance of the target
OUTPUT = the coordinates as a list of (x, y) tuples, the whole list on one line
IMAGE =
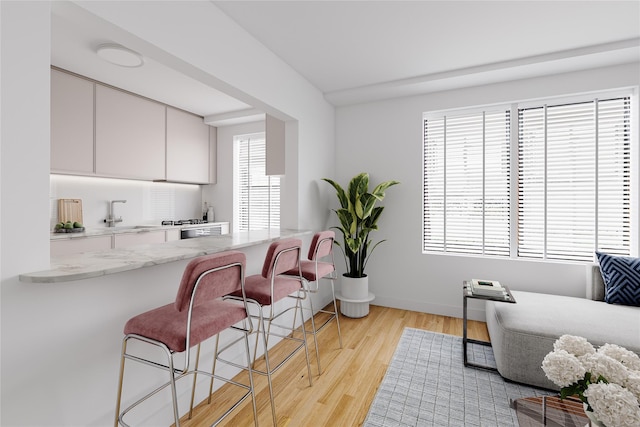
[(464, 330)]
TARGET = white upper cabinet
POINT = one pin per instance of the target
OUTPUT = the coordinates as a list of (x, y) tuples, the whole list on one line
[(129, 135), (188, 148), (97, 130), (213, 155), (71, 124), (275, 139)]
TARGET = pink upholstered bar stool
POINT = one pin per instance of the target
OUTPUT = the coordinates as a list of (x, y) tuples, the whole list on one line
[(320, 265), (198, 313), (267, 289)]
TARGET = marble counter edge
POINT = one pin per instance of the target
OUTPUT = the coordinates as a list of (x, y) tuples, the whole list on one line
[(100, 263)]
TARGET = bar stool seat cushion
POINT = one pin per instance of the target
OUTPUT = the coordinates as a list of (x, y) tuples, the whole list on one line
[(168, 325), (308, 270), (259, 288)]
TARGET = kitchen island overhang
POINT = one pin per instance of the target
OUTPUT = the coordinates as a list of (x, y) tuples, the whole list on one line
[(100, 263)]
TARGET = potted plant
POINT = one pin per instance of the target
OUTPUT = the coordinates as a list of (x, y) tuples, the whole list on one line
[(358, 216)]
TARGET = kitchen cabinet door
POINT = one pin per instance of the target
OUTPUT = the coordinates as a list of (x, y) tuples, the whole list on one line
[(124, 240), (172, 235), (213, 155), (275, 131), (130, 135), (224, 227), (79, 244), (71, 124), (187, 148)]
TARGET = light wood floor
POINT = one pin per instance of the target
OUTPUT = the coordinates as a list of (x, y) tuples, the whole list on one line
[(341, 396)]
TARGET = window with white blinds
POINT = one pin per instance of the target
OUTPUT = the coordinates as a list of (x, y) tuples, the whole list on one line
[(571, 190), (466, 183), (256, 195), (574, 171)]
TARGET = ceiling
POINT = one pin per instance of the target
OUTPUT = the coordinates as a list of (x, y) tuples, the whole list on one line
[(74, 40), (358, 51)]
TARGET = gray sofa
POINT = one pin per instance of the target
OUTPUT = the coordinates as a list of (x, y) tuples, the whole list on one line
[(523, 333)]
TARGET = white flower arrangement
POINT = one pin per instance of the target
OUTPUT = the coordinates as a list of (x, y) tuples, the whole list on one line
[(606, 380)]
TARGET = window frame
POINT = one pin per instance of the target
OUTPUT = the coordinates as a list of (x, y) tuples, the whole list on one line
[(237, 185), (467, 115), (515, 107)]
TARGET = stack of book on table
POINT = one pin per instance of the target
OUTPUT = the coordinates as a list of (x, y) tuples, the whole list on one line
[(489, 288)]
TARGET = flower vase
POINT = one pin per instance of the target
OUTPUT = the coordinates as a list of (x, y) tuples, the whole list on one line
[(593, 420)]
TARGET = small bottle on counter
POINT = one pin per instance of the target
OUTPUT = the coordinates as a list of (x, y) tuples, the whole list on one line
[(205, 213), (211, 217)]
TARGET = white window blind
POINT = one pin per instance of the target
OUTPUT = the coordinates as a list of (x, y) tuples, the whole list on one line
[(614, 176), (574, 180), (466, 183), (571, 188), (257, 195)]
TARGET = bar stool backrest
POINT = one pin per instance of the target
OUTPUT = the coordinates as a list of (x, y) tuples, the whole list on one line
[(211, 283), (321, 245), (287, 259)]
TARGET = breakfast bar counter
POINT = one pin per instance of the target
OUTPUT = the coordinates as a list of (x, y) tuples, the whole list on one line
[(93, 264)]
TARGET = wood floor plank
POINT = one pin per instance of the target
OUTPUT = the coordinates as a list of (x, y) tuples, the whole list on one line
[(351, 375)]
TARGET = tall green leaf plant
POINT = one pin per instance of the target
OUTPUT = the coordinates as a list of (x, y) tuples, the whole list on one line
[(358, 217)]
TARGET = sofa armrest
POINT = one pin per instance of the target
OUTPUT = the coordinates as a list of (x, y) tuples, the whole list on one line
[(595, 284)]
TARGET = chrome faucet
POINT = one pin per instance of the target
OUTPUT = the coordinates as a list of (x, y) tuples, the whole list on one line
[(111, 219)]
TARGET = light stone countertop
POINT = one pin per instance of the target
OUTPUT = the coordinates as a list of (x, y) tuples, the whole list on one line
[(99, 263), (105, 231)]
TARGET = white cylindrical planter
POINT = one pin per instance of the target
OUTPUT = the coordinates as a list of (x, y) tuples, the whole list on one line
[(355, 296), (355, 288)]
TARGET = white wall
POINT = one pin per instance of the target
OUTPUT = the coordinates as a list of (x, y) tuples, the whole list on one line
[(24, 214), (384, 138), (61, 342), (147, 202)]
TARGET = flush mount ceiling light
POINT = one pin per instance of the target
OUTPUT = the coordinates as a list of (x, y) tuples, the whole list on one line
[(119, 55)]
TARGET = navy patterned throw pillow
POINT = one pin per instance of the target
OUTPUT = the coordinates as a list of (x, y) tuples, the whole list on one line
[(621, 277)]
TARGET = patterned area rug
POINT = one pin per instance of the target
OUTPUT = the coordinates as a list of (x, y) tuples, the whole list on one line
[(426, 384)]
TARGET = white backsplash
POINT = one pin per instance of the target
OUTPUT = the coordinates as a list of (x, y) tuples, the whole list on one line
[(147, 202)]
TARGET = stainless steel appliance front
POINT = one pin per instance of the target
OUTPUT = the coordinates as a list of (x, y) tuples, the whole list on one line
[(200, 231)]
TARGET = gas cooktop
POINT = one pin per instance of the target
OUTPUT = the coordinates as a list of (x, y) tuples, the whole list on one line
[(184, 222)]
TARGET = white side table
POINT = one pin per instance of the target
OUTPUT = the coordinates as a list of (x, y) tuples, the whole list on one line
[(355, 308)]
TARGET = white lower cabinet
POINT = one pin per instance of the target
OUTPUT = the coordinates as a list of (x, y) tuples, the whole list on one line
[(172, 235), (77, 245), (131, 239), (224, 228), (115, 241)]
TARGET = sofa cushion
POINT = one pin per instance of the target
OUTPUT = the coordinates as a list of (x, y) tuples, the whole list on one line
[(524, 332), (621, 278)]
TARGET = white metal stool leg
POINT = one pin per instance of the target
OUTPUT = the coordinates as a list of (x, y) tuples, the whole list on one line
[(335, 310), (195, 378), (268, 371), (333, 315), (120, 379), (306, 348), (313, 332)]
